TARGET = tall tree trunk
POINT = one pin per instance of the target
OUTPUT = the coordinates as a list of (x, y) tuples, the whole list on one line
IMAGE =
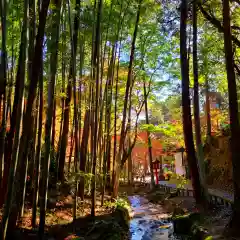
[(107, 138), (124, 115), (115, 117), (196, 107), (63, 23), (64, 137), (50, 110), (27, 121), (31, 154), (129, 166), (150, 158), (13, 135), (53, 135), (3, 83), (65, 131), (187, 119), (120, 23), (91, 96), (38, 149), (104, 164), (16, 113), (3, 77), (103, 58), (53, 127), (71, 148), (30, 162), (83, 152), (234, 117), (32, 33), (72, 75), (9, 111), (208, 110), (109, 112), (33, 144), (96, 71), (130, 170)]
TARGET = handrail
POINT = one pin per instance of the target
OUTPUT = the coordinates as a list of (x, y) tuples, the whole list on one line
[(214, 198)]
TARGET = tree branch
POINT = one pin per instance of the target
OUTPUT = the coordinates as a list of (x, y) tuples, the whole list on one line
[(126, 153), (237, 69), (236, 1), (216, 23)]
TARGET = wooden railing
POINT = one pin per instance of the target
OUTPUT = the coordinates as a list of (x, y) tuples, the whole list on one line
[(214, 198)]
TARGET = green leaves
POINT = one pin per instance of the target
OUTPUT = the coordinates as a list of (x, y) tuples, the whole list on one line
[(75, 176), (166, 129), (158, 85)]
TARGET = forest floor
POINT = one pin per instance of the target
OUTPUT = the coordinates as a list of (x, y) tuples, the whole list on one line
[(59, 217), (59, 220)]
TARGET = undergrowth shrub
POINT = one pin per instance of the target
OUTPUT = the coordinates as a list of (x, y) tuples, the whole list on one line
[(118, 202)]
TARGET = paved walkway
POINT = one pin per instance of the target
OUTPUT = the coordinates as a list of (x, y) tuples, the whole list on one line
[(219, 193)]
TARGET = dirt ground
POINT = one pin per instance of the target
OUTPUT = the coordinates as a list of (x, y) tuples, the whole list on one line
[(61, 214)]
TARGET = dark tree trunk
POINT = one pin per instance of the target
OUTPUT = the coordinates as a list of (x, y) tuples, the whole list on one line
[(234, 118), (38, 150), (71, 148), (196, 107), (118, 162), (27, 124), (31, 154), (15, 121), (115, 117), (3, 85), (96, 71), (83, 152), (107, 137), (150, 158), (53, 126), (62, 90), (108, 114), (187, 119), (208, 110), (32, 33), (50, 112), (3, 77), (64, 140), (129, 166), (76, 132)]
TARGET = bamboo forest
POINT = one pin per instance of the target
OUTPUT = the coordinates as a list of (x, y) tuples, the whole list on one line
[(119, 119)]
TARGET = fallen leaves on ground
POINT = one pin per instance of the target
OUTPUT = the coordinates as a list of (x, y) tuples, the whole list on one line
[(62, 213)]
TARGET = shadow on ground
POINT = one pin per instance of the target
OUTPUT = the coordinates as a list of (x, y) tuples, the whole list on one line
[(108, 226)]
